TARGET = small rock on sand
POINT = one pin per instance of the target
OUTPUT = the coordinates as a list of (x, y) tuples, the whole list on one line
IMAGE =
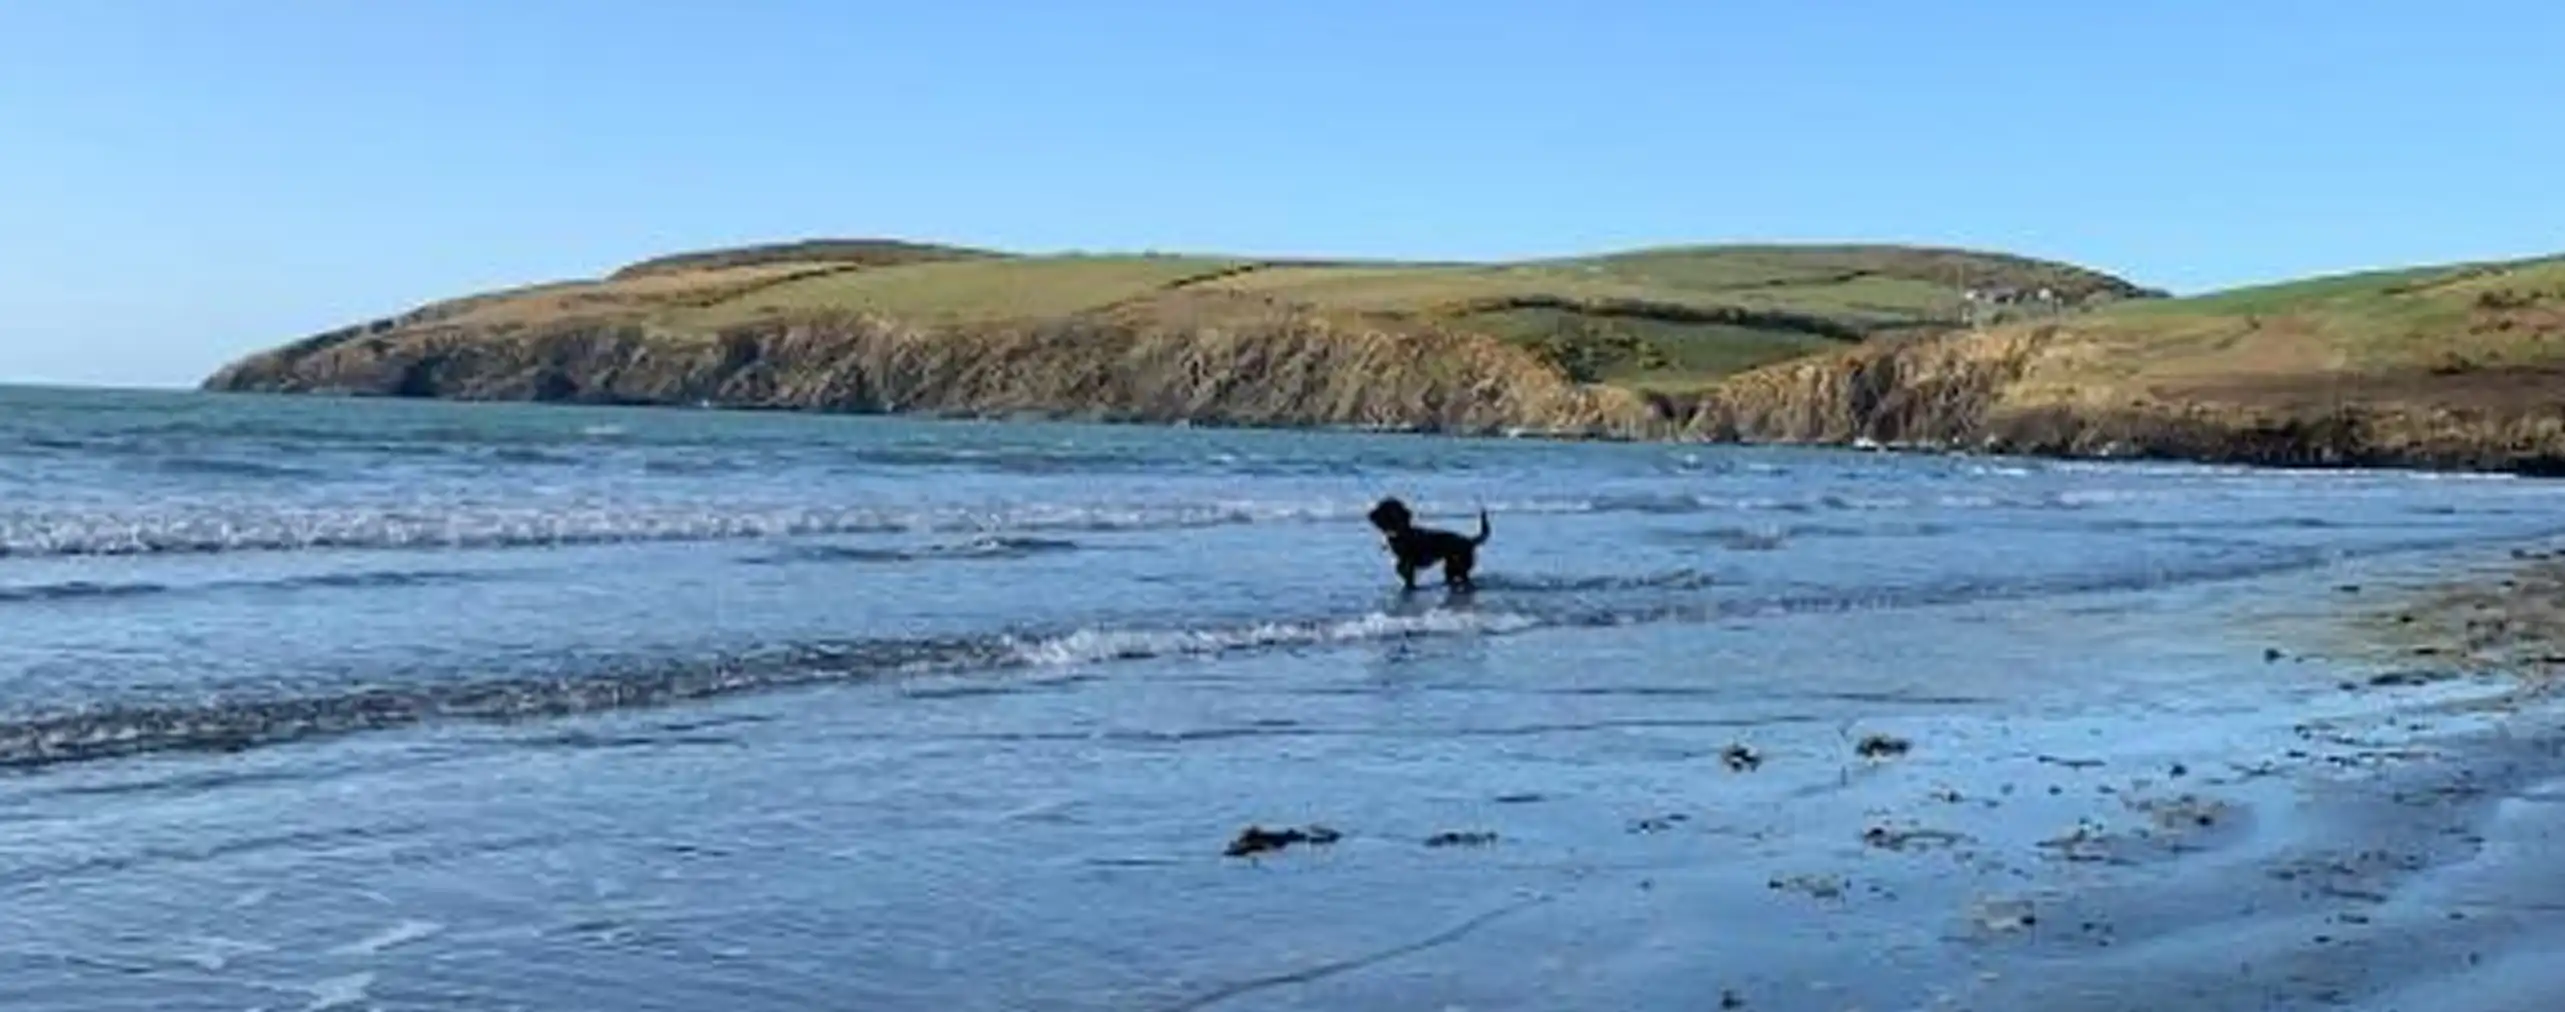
[(1882, 746), (1740, 758)]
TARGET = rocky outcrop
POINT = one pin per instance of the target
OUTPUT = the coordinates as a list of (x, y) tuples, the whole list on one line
[(1923, 391)]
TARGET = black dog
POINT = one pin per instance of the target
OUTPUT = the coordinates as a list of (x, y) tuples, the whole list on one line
[(1420, 548)]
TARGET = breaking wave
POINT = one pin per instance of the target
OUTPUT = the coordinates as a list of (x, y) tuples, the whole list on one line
[(116, 532), (983, 548), (1087, 646), (232, 725)]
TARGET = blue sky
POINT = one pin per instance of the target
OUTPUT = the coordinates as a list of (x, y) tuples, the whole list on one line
[(185, 180)]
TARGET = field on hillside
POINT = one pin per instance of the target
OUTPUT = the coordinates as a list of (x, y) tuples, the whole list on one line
[(2471, 334)]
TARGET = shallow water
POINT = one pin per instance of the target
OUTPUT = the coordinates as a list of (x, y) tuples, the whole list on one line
[(321, 704)]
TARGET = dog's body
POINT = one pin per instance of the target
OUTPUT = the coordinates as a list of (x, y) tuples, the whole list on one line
[(1422, 548)]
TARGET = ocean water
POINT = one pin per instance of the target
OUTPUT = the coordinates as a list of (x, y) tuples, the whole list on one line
[(366, 704)]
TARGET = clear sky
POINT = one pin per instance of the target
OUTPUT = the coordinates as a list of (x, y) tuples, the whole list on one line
[(182, 181)]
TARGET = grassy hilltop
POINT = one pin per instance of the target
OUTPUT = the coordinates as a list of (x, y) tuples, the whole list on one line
[(2443, 366)]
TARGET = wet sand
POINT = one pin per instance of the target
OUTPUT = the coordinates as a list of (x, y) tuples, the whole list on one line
[(2385, 844), (2395, 853), (2267, 793)]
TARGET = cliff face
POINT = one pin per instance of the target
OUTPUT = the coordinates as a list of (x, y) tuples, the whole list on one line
[(2005, 391), (1274, 367), (2032, 391)]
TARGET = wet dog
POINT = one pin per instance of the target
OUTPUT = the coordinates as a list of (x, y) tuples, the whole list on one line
[(1422, 548)]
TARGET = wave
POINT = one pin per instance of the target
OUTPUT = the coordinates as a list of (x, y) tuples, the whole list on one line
[(77, 590), (532, 455), (985, 548), (1679, 579), (227, 467), (2283, 523), (85, 590), (66, 532), (235, 725), (1094, 645)]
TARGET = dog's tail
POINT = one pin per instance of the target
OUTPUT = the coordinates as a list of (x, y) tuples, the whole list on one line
[(1483, 532)]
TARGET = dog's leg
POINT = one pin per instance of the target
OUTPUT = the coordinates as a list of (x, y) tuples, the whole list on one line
[(1456, 569), (1407, 574)]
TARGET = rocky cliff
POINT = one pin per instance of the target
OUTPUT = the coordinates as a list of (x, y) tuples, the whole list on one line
[(1224, 364)]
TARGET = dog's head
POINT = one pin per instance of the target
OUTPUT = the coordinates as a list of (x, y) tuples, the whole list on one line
[(1391, 516)]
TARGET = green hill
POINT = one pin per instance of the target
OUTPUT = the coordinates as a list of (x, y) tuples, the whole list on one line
[(1665, 319)]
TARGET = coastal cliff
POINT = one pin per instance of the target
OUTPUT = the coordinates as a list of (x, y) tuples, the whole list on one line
[(1269, 367), (2458, 367)]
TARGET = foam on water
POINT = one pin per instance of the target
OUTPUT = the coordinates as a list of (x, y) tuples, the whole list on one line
[(1088, 646)]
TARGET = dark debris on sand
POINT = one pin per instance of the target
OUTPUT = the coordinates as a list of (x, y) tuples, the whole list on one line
[(1741, 758), (1258, 840), (1882, 746)]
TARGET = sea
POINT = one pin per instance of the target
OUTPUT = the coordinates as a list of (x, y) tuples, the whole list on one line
[(317, 703)]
